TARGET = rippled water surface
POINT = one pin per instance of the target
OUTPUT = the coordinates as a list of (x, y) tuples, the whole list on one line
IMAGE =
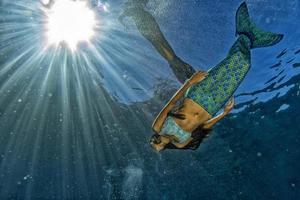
[(75, 125)]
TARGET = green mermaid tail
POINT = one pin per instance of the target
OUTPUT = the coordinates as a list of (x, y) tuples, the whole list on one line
[(215, 90), (258, 37)]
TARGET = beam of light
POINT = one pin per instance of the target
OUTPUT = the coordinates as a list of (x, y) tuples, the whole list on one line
[(62, 111), (103, 6), (45, 2), (71, 22), (66, 130)]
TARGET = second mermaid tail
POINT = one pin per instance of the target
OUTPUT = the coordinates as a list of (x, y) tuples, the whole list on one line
[(181, 69), (150, 29), (215, 90)]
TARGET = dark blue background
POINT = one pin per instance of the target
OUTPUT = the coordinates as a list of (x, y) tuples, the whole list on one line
[(78, 134)]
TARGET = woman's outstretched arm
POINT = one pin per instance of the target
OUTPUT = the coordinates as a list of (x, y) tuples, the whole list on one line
[(158, 122), (210, 123)]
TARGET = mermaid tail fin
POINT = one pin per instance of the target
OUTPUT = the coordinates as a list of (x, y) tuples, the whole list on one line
[(258, 37), (181, 69)]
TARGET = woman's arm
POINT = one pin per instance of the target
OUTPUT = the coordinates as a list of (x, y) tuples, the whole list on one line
[(210, 123), (158, 122)]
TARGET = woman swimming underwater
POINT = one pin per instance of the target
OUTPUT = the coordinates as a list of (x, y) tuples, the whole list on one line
[(206, 93)]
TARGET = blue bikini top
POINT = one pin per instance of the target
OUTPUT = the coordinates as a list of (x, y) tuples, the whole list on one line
[(170, 127)]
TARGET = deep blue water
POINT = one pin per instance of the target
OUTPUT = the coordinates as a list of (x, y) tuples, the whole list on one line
[(76, 125)]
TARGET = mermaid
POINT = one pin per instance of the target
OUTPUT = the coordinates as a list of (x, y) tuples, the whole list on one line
[(206, 93), (149, 28)]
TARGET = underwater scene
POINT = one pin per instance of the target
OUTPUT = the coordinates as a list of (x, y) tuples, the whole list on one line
[(82, 82)]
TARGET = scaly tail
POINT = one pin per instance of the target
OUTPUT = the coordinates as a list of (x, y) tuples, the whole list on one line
[(258, 37), (181, 69)]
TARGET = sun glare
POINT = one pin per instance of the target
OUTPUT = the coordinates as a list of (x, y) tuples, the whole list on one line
[(70, 22)]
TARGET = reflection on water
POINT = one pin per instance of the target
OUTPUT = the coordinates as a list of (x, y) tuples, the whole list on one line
[(65, 135), (281, 81)]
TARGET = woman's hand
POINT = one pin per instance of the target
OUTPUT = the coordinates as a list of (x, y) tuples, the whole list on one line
[(229, 105), (209, 123), (197, 77)]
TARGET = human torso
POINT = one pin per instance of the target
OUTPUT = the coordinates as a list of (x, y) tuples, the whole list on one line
[(171, 128), (193, 114)]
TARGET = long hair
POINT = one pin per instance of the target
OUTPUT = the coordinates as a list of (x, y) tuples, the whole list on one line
[(198, 135)]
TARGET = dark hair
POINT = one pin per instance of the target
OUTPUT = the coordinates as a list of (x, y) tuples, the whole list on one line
[(198, 135), (155, 138)]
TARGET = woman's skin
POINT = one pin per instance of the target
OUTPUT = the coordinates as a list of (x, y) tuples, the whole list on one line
[(223, 80), (194, 114)]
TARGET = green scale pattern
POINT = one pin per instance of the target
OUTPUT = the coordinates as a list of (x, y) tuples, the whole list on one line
[(214, 91)]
